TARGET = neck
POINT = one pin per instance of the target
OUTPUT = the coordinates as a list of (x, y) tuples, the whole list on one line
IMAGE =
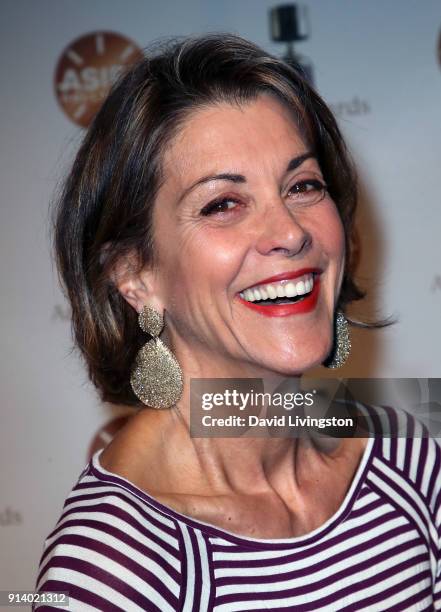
[(220, 464)]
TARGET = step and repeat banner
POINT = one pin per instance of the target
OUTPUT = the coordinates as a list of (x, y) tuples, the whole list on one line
[(377, 64)]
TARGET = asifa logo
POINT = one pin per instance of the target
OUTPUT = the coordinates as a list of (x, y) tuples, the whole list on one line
[(86, 70)]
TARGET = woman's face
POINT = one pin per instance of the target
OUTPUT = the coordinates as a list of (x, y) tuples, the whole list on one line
[(242, 208)]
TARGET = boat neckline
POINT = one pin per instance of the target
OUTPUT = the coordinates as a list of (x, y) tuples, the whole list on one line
[(218, 532)]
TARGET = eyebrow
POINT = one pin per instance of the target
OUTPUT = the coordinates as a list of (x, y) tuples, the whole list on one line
[(294, 163)]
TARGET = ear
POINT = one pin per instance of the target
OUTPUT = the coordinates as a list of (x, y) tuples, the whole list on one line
[(137, 286)]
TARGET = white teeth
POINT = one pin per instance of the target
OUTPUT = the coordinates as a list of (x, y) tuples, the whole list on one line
[(290, 290), (281, 289), (272, 293), (300, 287), (263, 293)]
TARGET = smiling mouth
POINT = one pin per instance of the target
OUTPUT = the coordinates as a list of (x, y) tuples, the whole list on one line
[(287, 291)]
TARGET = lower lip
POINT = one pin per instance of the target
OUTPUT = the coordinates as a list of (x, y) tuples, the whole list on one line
[(285, 310)]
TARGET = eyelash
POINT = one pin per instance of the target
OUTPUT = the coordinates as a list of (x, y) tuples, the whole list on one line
[(209, 209)]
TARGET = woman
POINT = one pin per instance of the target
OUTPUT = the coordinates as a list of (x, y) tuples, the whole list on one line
[(211, 203)]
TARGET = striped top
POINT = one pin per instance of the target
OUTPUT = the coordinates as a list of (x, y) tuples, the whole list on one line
[(115, 548)]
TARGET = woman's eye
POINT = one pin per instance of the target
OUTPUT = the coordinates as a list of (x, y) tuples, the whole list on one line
[(219, 206), (308, 191)]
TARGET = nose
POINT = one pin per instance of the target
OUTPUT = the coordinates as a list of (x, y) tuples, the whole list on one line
[(280, 232)]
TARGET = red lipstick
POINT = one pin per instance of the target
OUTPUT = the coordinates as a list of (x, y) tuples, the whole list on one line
[(284, 310), (287, 276)]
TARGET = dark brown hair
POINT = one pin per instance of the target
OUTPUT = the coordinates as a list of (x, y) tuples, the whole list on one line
[(105, 209)]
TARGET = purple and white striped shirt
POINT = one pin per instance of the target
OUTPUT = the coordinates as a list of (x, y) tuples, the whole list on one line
[(115, 548)]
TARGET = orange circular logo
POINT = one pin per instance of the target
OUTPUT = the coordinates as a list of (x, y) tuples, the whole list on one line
[(87, 69)]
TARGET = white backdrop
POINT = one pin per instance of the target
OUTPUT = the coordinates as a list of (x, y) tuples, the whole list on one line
[(374, 62)]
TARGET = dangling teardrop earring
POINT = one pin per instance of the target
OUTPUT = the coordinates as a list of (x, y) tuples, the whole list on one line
[(156, 377), (342, 343)]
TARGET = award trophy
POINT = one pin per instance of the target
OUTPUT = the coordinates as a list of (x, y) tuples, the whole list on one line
[(289, 23)]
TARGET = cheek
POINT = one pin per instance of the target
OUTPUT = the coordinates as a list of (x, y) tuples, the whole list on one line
[(332, 235), (334, 245), (195, 260), (328, 232)]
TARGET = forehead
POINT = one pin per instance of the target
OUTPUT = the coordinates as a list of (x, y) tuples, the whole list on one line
[(229, 136)]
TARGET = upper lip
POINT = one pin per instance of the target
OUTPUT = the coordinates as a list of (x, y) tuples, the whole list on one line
[(286, 276)]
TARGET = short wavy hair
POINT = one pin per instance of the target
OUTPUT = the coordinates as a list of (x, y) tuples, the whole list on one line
[(105, 209)]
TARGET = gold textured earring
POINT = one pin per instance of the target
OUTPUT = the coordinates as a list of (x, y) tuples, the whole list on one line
[(156, 377), (342, 343)]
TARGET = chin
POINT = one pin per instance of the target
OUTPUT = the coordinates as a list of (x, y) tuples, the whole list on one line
[(293, 363), (291, 367)]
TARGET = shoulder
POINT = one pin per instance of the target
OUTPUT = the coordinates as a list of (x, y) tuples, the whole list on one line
[(408, 449), (111, 546), (406, 467)]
